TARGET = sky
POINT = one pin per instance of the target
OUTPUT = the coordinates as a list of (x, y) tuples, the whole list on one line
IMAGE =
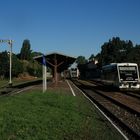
[(71, 27)]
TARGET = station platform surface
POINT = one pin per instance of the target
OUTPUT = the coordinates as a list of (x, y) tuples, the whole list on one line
[(65, 85), (66, 110)]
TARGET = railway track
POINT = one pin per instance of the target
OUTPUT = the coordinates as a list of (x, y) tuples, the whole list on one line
[(134, 94), (125, 115)]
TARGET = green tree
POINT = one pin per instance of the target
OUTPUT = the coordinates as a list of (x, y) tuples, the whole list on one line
[(115, 51), (25, 53), (133, 55), (91, 58), (4, 65), (81, 60), (33, 54), (17, 66)]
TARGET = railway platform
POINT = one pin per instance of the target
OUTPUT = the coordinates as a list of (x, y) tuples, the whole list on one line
[(63, 110), (68, 87)]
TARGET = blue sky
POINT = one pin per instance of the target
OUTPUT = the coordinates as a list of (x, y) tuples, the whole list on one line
[(72, 27)]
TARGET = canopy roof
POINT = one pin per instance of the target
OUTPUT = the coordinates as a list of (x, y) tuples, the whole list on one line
[(58, 60)]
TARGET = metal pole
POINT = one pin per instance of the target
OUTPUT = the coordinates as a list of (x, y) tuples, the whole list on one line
[(10, 71), (44, 74), (45, 78)]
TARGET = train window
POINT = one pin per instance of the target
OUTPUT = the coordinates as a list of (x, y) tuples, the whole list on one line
[(124, 68), (128, 73)]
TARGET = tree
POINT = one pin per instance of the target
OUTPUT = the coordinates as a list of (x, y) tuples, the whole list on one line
[(133, 55), (91, 58), (17, 66), (33, 54), (81, 60), (25, 53), (115, 51), (4, 65)]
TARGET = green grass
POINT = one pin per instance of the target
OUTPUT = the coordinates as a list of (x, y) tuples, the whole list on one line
[(51, 116), (3, 82)]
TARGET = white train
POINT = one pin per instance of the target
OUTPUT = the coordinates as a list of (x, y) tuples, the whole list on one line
[(72, 73), (124, 76)]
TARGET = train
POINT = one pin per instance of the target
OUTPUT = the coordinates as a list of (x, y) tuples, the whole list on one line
[(124, 76), (72, 73)]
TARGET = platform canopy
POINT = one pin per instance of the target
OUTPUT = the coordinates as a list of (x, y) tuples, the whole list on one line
[(57, 62)]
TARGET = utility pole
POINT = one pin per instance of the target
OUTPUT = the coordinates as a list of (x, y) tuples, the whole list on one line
[(10, 68)]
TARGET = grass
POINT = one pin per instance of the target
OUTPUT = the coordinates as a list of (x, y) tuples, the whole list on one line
[(51, 116), (3, 83)]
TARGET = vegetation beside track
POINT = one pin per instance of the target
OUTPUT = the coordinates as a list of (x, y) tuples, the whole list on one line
[(16, 82), (51, 116)]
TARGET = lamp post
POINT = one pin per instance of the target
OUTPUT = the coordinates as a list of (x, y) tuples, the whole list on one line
[(10, 68)]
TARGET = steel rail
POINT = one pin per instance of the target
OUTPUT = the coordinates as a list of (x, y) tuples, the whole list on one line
[(125, 127)]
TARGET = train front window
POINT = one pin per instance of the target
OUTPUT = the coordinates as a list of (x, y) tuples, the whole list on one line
[(128, 73)]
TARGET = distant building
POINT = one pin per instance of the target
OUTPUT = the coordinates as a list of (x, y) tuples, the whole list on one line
[(89, 70)]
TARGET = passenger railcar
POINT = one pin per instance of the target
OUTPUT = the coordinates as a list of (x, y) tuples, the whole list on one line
[(72, 73), (124, 76)]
